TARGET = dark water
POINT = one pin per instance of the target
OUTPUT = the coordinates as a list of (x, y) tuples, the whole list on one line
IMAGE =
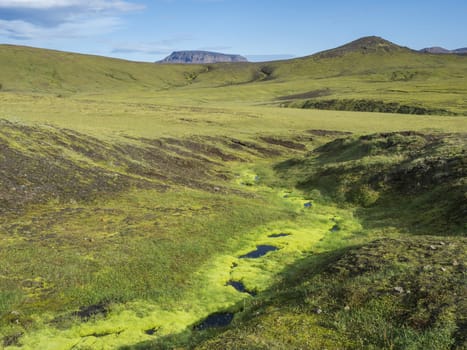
[(277, 235), (259, 252), (239, 286), (151, 331), (221, 319)]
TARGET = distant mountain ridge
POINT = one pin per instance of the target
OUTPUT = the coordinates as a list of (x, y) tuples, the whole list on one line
[(442, 50), (201, 57)]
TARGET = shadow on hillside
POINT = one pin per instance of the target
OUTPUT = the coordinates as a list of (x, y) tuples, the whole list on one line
[(425, 214)]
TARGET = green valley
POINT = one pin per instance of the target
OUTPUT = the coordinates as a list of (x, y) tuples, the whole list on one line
[(311, 203)]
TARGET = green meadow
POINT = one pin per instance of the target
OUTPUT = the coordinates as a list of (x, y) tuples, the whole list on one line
[(131, 192)]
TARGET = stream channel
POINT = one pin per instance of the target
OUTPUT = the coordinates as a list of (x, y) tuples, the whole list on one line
[(230, 279)]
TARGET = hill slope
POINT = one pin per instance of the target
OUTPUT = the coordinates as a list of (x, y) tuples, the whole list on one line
[(37, 70), (371, 71), (402, 290), (389, 293)]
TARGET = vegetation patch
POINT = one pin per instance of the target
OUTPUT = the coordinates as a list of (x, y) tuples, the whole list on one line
[(403, 75), (423, 173), (365, 105)]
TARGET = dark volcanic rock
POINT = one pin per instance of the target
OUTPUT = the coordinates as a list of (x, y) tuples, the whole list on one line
[(200, 57)]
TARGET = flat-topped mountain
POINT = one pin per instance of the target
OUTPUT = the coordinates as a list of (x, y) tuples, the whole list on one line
[(200, 57), (442, 50)]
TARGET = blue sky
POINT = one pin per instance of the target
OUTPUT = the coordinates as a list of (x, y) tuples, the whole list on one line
[(146, 30)]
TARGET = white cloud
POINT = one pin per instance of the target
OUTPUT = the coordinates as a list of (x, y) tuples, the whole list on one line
[(22, 30), (41, 4), (94, 5), (40, 19)]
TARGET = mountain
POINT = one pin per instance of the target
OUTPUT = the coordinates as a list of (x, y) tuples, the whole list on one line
[(442, 50), (435, 49), (368, 44), (200, 57)]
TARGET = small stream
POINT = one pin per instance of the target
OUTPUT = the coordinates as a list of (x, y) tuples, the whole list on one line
[(335, 228), (239, 286), (260, 251), (223, 319), (220, 318)]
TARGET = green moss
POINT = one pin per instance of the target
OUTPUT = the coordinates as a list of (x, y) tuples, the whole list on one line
[(364, 196), (360, 298)]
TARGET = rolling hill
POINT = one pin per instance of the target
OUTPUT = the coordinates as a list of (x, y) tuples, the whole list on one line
[(371, 70)]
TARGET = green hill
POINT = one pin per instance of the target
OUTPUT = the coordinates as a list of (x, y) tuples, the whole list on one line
[(369, 69), (26, 69)]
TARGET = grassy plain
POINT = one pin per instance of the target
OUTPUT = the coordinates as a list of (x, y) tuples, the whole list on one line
[(128, 192)]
